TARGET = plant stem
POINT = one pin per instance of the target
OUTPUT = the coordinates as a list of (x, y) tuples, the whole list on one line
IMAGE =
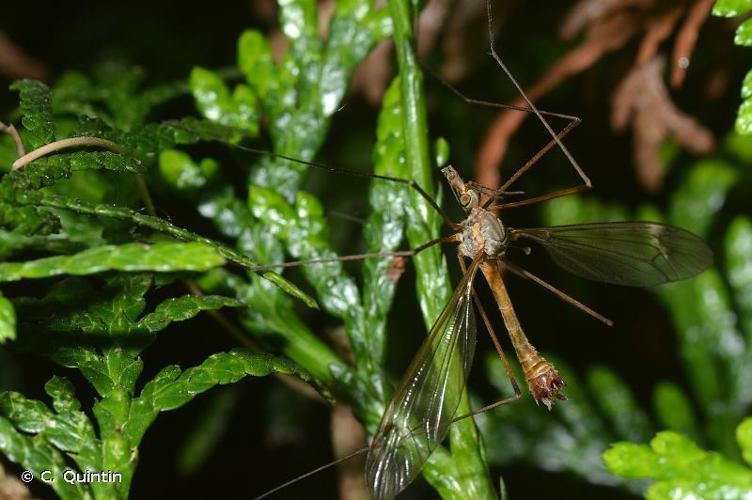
[(71, 142), (465, 474)]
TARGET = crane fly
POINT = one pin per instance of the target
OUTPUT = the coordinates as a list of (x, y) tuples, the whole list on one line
[(424, 405)]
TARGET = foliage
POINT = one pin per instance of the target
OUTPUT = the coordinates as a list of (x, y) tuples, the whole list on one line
[(70, 222), (740, 8), (90, 273), (102, 334), (681, 469), (76, 211), (279, 218)]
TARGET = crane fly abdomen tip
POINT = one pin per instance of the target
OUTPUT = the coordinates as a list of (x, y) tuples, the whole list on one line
[(546, 388)]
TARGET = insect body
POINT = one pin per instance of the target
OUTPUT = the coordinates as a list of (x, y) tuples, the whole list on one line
[(424, 405)]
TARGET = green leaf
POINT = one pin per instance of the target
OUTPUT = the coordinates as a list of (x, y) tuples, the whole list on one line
[(256, 62), (131, 257), (67, 428), (734, 8), (384, 231), (36, 112), (744, 438), (744, 34), (112, 93), (701, 195), (630, 460), (441, 152), (747, 85), (7, 320), (183, 308), (744, 117), (674, 409), (738, 244), (35, 454), (731, 8), (98, 160), (214, 101), (680, 469), (165, 227), (171, 388), (618, 403), (182, 173)]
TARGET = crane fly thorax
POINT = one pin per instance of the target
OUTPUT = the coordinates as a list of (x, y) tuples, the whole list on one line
[(483, 232)]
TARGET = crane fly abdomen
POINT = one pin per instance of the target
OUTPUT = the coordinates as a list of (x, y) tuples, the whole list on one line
[(542, 379)]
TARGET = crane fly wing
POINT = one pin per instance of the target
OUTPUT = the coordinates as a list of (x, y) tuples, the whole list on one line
[(623, 253), (417, 419)]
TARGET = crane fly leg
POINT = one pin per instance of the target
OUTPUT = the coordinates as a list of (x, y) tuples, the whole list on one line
[(500, 352), (346, 258), (586, 184), (562, 295), (555, 140)]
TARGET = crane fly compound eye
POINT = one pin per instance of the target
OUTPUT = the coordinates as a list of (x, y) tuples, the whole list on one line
[(465, 198)]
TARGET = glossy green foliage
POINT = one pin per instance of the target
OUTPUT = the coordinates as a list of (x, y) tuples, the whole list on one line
[(278, 220), (7, 320), (89, 260), (42, 438), (27, 197), (160, 257), (100, 329), (215, 101), (680, 469), (711, 314), (737, 8)]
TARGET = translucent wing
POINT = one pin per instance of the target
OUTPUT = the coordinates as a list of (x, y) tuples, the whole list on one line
[(624, 253), (418, 417)]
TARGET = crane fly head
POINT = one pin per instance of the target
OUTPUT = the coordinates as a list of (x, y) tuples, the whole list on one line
[(468, 197)]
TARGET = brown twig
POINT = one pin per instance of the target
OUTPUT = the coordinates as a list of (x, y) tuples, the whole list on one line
[(14, 62), (71, 142), (656, 32), (643, 101), (11, 131), (610, 24), (685, 41)]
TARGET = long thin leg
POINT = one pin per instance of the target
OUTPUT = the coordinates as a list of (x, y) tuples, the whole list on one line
[(491, 104), (499, 351), (344, 258), (563, 296), (336, 170), (312, 472), (574, 121), (529, 164), (492, 42)]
